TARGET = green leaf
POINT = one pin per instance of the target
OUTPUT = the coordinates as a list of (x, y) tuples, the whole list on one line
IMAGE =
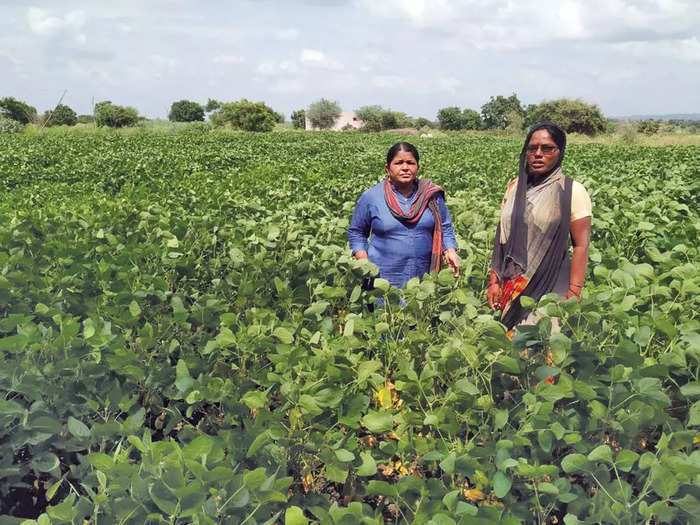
[(253, 479), (544, 438), (574, 462), (500, 418), (163, 498), (694, 412), (501, 484), (64, 511), (294, 516), (691, 389), (309, 405), (601, 453), (466, 387), (378, 422), (336, 473), (78, 428), (45, 462), (284, 335), (344, 455), (53, 489), (626, 459), (134, 309), (198, 447), (381, 284), (254, 399), (260, 440), (368, 466), (663, 482), (316, 308), (183, 381), (366, 368)]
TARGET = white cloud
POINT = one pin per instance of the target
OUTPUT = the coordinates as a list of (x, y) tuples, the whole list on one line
[(686, 50), (508, 25), (289, 33), (228, 59), (42, 22), (315, 58), (273, 67)]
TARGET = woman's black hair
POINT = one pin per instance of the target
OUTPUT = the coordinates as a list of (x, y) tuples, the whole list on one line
[(402, 146)]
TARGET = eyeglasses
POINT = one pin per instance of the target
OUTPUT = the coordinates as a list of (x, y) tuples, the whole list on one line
[(547, 149)]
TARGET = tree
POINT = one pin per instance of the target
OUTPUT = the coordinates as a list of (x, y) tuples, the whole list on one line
[(186, 111), (323, 113), (17, 110), (8, 125), (246, 115), (371, 117), (279, 117), (62, 115), (450, 118), (497, 111), (113, 116), (573, 116), (299, 119), (471, 119), (212, 105), (422, 122)]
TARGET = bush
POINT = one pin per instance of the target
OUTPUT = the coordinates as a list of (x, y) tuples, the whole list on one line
[(17, 110), (113, 116), (246, 115), (86, 119), (649, 127), (299, 119), (323, 113), (186, 111), (8, 125), (573, 116), (62, 115)]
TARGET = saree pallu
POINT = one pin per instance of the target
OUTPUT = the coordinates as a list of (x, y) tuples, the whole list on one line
[(547, 213)]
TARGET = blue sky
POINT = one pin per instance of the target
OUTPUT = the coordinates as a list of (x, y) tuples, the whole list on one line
[(627, 56)]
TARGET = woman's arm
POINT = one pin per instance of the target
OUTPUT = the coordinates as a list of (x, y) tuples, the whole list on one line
[(449, 240), (360, 226), (580, 237)]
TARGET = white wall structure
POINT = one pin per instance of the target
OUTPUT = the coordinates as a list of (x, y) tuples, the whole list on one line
[(346, 118)]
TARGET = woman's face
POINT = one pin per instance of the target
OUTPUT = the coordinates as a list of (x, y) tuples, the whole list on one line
[(542, 152), (403, 168)]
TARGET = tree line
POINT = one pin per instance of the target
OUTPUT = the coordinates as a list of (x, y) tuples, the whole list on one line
[(499, 113)]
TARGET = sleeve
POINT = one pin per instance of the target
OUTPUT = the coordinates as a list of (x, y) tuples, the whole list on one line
[(448, 233), (360, 225), (580, 202)]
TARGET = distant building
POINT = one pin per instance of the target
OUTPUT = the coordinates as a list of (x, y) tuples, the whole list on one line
[(345, 120)]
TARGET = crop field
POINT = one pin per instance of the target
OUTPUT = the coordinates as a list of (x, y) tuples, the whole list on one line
[(185, 338)]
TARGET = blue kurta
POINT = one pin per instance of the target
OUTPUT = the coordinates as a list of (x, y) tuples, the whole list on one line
[(400, 250)]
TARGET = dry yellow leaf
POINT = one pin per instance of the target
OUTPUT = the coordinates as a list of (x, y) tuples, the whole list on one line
[(473, 495)]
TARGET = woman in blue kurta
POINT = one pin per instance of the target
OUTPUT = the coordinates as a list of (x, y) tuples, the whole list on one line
[(394, 223)]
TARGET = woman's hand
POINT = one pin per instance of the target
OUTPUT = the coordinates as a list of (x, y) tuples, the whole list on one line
[(574, 291), (361, 255), (493, 293), (452, 260)]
